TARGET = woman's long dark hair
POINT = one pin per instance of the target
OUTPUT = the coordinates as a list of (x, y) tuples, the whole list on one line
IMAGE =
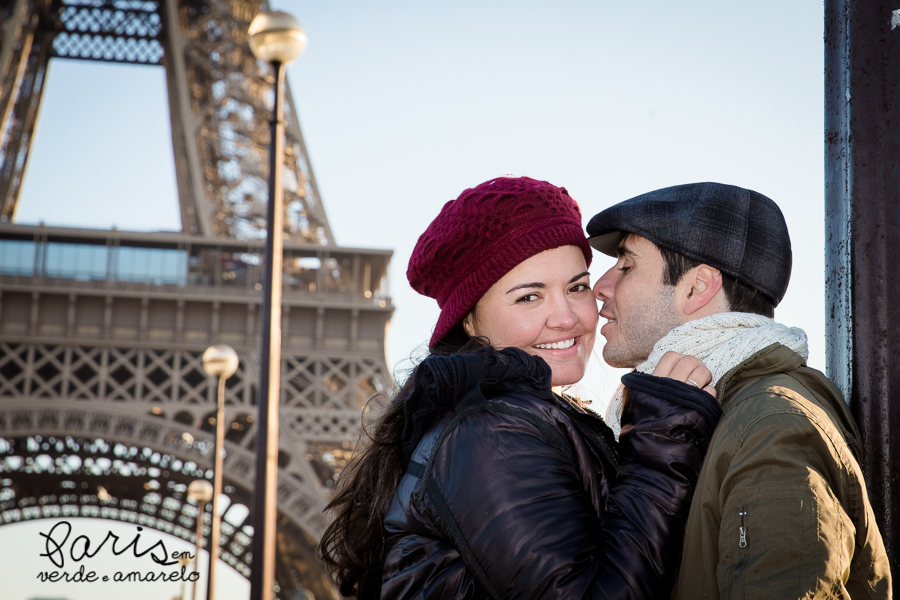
[(353, 545)]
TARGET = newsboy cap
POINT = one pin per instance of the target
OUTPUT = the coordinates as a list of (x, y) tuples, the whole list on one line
[(736, 230)]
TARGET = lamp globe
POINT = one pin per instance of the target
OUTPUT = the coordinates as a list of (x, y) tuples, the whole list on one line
[(220, 361), (200, 490), (276, 37)]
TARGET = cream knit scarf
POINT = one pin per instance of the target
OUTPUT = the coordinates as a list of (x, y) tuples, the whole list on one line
[(722, 341)]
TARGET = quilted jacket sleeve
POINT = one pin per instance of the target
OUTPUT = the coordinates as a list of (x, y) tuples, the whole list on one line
[(516, 497)]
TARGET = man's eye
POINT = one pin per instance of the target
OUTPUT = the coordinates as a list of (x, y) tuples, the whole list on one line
[(528, 298), (623, 268)]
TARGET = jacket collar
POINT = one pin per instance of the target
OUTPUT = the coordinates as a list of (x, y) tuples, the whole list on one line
[(778, 359), (771, 360), (440, 382)]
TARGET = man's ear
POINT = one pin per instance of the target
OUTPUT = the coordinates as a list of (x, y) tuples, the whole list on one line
[(701, 286), (469, 324)]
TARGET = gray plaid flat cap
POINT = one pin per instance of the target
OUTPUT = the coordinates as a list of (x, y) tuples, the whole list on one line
[(738, 231)]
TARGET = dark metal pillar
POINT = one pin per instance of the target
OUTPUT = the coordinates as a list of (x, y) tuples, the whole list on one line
[(862, 207)]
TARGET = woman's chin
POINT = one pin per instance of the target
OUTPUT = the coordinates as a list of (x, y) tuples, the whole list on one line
[(566, 375)]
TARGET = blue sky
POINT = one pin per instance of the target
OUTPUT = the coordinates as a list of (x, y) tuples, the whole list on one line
[(405, 104)]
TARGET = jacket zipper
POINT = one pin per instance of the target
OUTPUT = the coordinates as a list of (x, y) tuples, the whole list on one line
[(742, 540)]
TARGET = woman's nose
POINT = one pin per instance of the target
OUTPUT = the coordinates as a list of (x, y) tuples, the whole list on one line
[(562, 317)]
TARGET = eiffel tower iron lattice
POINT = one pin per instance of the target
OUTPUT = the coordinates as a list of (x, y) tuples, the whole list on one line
[(218, 97), (104, 407)]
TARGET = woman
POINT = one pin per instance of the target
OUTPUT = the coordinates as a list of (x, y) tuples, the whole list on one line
[(479, 481)]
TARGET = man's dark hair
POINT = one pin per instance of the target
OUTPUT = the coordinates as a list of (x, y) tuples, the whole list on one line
[(741, 297)]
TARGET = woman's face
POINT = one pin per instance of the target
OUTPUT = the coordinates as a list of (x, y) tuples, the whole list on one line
[(545, 307)]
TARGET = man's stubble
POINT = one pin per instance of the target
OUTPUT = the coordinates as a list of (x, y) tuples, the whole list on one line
[(642, 328)]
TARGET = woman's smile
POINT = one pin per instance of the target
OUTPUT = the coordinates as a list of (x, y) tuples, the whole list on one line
[(563, 345)]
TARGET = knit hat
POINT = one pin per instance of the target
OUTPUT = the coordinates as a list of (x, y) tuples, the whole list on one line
[(482, 235)]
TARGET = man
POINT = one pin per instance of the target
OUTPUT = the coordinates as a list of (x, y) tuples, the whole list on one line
[(781, 508)]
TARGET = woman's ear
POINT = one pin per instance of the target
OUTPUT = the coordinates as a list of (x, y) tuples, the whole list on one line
[(469, 324)]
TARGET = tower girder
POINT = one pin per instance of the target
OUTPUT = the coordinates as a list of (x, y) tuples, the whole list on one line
[(110, 339), (219, 103)]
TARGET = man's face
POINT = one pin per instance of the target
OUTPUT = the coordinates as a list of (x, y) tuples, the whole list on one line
[(640, 309)]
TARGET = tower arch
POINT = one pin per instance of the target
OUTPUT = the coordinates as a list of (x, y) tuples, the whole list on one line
[(101, 332)]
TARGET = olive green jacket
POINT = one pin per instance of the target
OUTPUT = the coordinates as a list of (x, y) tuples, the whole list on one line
[(781, 509)]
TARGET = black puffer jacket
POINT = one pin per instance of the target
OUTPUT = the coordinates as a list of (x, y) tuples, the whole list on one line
[(508, 472)]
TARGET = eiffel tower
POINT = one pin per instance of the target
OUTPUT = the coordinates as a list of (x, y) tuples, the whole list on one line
[(105, 410)]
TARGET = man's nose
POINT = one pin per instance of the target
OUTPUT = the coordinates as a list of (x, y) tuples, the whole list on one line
[(604, 289)]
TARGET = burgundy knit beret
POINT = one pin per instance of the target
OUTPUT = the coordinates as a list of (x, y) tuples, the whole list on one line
[(482, 235)]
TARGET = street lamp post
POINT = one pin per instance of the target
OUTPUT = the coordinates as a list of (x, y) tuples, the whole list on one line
[(201, 491), (184, 561), (218, 361), (276, 38)]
